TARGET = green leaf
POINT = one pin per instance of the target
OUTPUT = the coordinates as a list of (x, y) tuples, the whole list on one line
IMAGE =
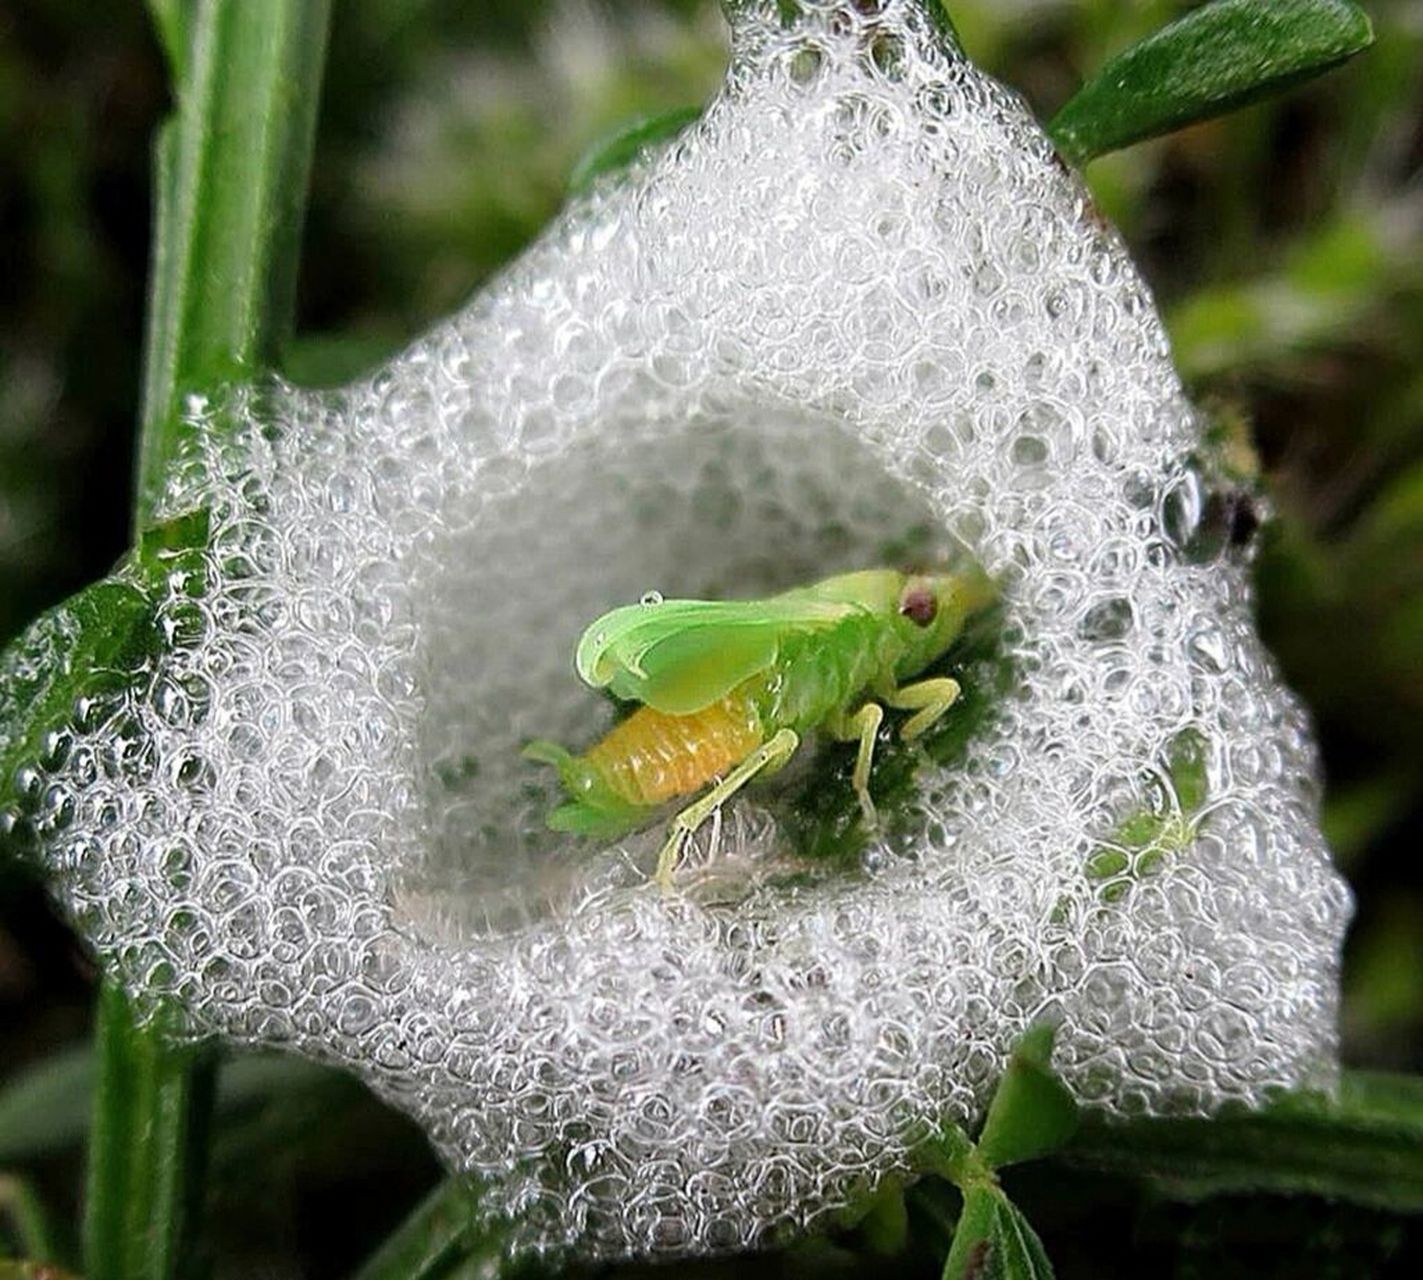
[(60, 668), (1396, 516), (1032, 1113), (334, 359), (994, 1241), (1154, 833), (618, 149), (1381, 988), (885, 1225), (46, 1108), (1364, 1147), (1215, 59), (1356, 813), (73, 661)]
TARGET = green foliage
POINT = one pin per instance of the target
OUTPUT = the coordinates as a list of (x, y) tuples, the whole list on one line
[(619, 148), (28, 1222), (1310, 317), (434, 1239), (45, 1109), (1320, 295), (1031, 1116), (63, 672), (1219, 57), (450, 135), (172, 22), (68, 659), (1364, 1147), (31, 1271), (1032, 1113), (994, 1241)]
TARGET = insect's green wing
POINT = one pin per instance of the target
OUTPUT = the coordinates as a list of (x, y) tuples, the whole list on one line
[(682, 655)]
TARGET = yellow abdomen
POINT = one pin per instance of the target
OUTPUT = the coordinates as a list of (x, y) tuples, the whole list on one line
[(651, 757)]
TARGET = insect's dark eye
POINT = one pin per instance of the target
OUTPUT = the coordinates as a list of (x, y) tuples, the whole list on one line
[(919, 605)]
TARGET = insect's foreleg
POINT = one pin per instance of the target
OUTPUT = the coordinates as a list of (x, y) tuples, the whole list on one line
[(864, 725), (769, 756), (929, 699)]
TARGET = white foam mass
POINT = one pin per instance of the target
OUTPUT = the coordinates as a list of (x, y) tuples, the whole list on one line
[(861, 299)]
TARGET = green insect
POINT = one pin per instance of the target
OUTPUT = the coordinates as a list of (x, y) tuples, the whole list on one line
[(730, 687)]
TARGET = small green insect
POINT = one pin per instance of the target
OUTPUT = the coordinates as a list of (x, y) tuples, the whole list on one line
[(730, 687)]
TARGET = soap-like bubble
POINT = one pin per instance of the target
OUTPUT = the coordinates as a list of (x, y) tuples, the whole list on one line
[(859, 308)]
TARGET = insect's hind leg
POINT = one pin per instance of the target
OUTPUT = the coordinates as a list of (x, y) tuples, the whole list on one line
[(768, 757), (864, 725), (929, 699)]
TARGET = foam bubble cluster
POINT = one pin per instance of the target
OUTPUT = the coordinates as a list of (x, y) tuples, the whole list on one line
[(861, 305)]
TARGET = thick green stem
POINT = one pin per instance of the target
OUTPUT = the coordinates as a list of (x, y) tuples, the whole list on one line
[(230, 193), (148, 1153), (229, 197)]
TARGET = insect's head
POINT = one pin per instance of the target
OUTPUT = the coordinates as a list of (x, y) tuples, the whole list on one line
[(932, 611)]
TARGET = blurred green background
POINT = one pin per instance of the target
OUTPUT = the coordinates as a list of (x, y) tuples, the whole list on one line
[(1285, 246)]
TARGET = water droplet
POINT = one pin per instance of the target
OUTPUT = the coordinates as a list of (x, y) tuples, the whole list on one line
[(652, 598)]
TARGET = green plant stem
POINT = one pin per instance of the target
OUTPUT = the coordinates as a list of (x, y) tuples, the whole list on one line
[(28, 1220), (232, 168), (147, 1157), (436, 1237)]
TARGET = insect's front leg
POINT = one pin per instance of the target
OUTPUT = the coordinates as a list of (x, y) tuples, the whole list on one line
[(929, 699), (770, 756), (864, 725)]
